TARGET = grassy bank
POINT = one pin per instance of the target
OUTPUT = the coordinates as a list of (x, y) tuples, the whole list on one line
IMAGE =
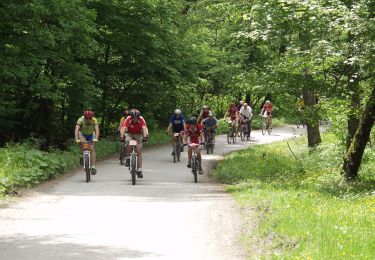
[(24, 165), (299, 206)]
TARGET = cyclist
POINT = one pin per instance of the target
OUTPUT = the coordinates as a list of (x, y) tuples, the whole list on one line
[(210, 124), (87, 129), (203, 114), (177, 124), (233, 114), (123, 118), (135, 128), (240, 104), (245, 116), (267, 111), (193, 130)]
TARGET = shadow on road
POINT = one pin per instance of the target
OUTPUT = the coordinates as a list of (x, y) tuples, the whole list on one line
[(53, 247)]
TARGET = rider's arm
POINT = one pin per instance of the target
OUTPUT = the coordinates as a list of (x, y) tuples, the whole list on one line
[(76, 131), (97, 132), (145, 131), (226, 113), (169, 127), (202, 137)]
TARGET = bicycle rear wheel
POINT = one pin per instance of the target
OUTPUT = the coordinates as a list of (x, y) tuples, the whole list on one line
[(242, 134), (87, 168)]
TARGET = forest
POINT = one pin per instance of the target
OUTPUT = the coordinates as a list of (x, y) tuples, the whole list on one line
[(61, 57)]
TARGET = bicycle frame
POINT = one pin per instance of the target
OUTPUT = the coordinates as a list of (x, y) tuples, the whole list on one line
[(176, 147), (86, 159)]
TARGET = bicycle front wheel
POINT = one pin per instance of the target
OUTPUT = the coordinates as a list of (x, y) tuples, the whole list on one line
[(229, 137), (87, 167), (133, 168)]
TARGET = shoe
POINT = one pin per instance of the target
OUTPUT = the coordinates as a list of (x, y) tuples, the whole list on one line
[(173, 153), (93, 171), (127, 162), (81, 161), (189, 165), (200, 171), (139, 174)]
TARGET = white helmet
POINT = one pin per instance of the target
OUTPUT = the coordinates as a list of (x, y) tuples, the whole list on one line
[(210, 114), (177, 111)]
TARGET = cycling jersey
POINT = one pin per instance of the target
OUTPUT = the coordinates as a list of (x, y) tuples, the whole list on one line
[(233, 112), (246, 112), (194, 134), (87, 127), (209, 122), (134, 127), (203, 115), (268, 108), (177, 123)]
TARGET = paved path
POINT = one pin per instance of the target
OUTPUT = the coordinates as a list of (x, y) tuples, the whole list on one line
[(164, 216)]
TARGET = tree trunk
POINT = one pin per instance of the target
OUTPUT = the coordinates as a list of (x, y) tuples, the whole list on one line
[(353, 158), (312, 122)]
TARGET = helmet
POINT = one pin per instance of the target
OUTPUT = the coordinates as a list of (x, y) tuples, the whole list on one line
[(205, 107), (241, 102), (192, 121), (134, 113), (267, 101), (232, 104), (88, 114), (177, 111), (245, 104), (210, 114)]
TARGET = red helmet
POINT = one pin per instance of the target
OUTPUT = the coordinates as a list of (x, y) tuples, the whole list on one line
[(88, 114), (135, 113)]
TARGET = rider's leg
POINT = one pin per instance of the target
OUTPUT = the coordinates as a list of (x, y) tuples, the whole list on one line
[(189, 157), (199, 157), (139, 156), (127, 151)]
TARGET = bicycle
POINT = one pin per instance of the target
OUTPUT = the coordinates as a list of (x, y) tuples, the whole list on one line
[(86, 159), (133, 166), (265, 124), (210, 141), (194, 161), (177, 147), (231, 134), (123, 152), (245, 132)]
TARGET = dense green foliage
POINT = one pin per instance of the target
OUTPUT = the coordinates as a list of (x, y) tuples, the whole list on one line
[(302, 207), (60, 57)]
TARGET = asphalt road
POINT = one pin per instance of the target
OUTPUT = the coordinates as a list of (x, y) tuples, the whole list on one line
[(164, 216)]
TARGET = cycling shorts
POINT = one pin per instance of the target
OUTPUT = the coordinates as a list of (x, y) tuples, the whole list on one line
[(137, 137), (88, 138)]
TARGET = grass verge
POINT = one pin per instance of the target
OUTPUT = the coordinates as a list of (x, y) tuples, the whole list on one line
[(300, 206), (24, 165)]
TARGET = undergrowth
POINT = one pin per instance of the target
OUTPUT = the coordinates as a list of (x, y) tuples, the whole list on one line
[(304, 207)]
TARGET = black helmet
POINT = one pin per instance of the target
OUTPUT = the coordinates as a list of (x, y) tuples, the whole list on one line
[(192, 121)]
